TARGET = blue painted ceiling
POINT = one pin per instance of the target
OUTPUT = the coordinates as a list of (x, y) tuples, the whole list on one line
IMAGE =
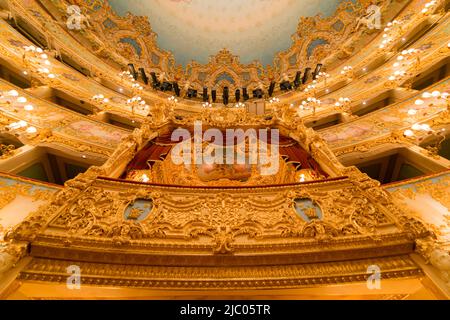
[(251, 29)]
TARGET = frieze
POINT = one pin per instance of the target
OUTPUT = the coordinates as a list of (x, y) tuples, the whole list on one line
[(209, 278)]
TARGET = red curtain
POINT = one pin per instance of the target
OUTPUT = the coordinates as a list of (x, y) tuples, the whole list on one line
[(159, 148)]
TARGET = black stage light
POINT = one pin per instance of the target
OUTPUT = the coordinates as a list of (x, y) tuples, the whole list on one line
[(225, 95), (192, 93), (155, 82), (306, 75), (214, 95), (132, 71), (205, 94), (237, 95), (258, 93), (166, 86), (245, 94), (176, 88), (317, 71), (298, 79), (143, 75), (285, 86), (271, 88)]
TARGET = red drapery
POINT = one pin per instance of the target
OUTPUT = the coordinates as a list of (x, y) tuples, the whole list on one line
[(159, 148)]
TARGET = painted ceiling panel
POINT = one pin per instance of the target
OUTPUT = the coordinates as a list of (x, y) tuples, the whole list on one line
[(251, 29)]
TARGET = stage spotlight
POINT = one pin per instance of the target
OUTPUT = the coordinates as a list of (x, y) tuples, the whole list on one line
[(155, 82), (192, 93), (205, 94), (285, 86), (298, 79), (271, 88), (237, 95), (258, 93), (143, 75), (166, 86), (306, 75), (245, 94), (317, 70), (176, 88), (225, 95), (132, 71)]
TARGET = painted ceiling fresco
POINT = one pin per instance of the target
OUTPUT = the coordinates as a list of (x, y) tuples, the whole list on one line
[(251, 29)]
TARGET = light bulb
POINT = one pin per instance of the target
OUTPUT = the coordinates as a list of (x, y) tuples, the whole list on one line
[(408, 133), (419, 102), (31, 130), (21, 99), (14, 125), (28, 107), (436, 94)]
